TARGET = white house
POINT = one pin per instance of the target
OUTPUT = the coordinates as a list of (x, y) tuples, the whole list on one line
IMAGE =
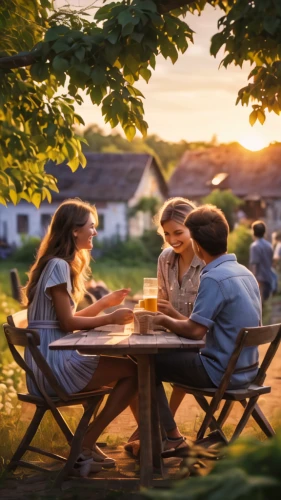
[(113, 182)]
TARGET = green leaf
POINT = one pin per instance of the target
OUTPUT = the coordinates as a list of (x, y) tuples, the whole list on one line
[(146, 74), (217, 41), (253, 117), (128, 29), (39, 71), (13, 195), (130, 132), (60, 64), (147, 5), (98, 75), (114, 35), (74, 164), (96, 95), (80, 53), (60, 46), (261, 116), (36, 199), (55, 32), (125, 17)]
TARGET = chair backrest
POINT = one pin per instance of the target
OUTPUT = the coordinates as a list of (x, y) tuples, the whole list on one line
[(18, 319), (25, 337), (250, 337), (15, 285)]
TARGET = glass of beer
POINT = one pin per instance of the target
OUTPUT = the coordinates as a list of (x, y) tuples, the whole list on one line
[(150, 292)]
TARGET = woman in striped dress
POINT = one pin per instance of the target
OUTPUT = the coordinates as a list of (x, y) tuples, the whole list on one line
[(56, 283)]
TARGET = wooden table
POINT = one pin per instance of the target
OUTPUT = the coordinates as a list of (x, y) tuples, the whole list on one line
[(116, 340)]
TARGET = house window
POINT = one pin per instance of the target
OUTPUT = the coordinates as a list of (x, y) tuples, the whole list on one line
[(101, 222), (22, 224), (45, 221)]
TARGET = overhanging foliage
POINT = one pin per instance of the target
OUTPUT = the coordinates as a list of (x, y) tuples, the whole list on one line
[(47, 57)]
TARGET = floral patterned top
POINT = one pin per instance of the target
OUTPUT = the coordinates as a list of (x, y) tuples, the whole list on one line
[(182, 296)]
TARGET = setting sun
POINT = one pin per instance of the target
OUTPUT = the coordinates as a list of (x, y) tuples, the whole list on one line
[(253, 141)]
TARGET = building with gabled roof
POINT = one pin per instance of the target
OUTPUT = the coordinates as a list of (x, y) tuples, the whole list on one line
[(113, 182), (254, 177)]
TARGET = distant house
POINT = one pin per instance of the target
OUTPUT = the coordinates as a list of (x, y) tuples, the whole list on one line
[(113, 182), (253, 176)]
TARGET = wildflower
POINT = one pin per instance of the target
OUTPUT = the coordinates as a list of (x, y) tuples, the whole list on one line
[(3, 388)]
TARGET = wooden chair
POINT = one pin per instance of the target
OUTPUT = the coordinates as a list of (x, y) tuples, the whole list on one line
[(15, 285), (18, 319), (27, 338), (247, 337)]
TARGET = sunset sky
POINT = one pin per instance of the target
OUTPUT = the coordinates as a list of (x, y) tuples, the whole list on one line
[(193, 99)]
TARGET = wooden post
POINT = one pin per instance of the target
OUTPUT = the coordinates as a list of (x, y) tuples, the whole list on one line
[(146, 466)]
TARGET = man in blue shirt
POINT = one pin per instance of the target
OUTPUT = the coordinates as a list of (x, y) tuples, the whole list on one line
[(261, 256), (228, 299)]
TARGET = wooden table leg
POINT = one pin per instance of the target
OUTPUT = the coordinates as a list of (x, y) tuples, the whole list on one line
[(146, 465), (155, 422)]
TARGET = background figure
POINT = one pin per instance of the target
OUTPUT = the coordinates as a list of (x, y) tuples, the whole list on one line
[(261, 257), (277, 251)]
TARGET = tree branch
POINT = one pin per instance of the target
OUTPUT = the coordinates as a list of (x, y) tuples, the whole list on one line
[(22, 60), (19, 60)]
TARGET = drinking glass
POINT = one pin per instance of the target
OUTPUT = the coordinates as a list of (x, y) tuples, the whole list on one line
[(150, 292)]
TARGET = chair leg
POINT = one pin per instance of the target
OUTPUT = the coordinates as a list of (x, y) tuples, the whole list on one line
[(245, 417), (261, 420), (203, 403), (76, 444), (27, 438), (62, 425), (226, 409)]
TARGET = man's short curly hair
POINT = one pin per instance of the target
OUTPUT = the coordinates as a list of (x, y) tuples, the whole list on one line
[(209, 227)]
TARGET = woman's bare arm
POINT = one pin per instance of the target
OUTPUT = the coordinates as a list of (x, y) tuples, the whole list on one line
[(69, 322), (109, 300)]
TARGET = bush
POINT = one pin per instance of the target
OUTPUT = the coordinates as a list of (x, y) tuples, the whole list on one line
[(226, 201), (250, 471), (133, 251), (26, 253), (239, 242)]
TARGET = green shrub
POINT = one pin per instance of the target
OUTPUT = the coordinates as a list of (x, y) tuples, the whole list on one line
[(249, 471), (239, 242), (133, 251), (226, 201), (26, 253)]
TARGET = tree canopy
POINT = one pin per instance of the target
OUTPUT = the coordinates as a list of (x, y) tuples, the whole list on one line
[(48, 56)]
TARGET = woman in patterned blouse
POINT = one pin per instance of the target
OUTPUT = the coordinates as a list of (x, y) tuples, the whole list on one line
[(178, 268)]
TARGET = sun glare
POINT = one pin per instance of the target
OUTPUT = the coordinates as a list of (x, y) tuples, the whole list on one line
[(253, 142)]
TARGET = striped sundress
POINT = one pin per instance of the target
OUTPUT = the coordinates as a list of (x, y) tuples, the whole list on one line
[(73, 371)]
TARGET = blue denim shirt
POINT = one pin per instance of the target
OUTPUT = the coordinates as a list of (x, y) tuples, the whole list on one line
[(228, 299)]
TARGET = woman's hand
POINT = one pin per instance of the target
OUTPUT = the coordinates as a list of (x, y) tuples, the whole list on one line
[(122, 316), (115, 298), (165, 307)]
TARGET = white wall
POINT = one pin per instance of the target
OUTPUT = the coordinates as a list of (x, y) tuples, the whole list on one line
[(9, 215), (148, 186), (115, 220)]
